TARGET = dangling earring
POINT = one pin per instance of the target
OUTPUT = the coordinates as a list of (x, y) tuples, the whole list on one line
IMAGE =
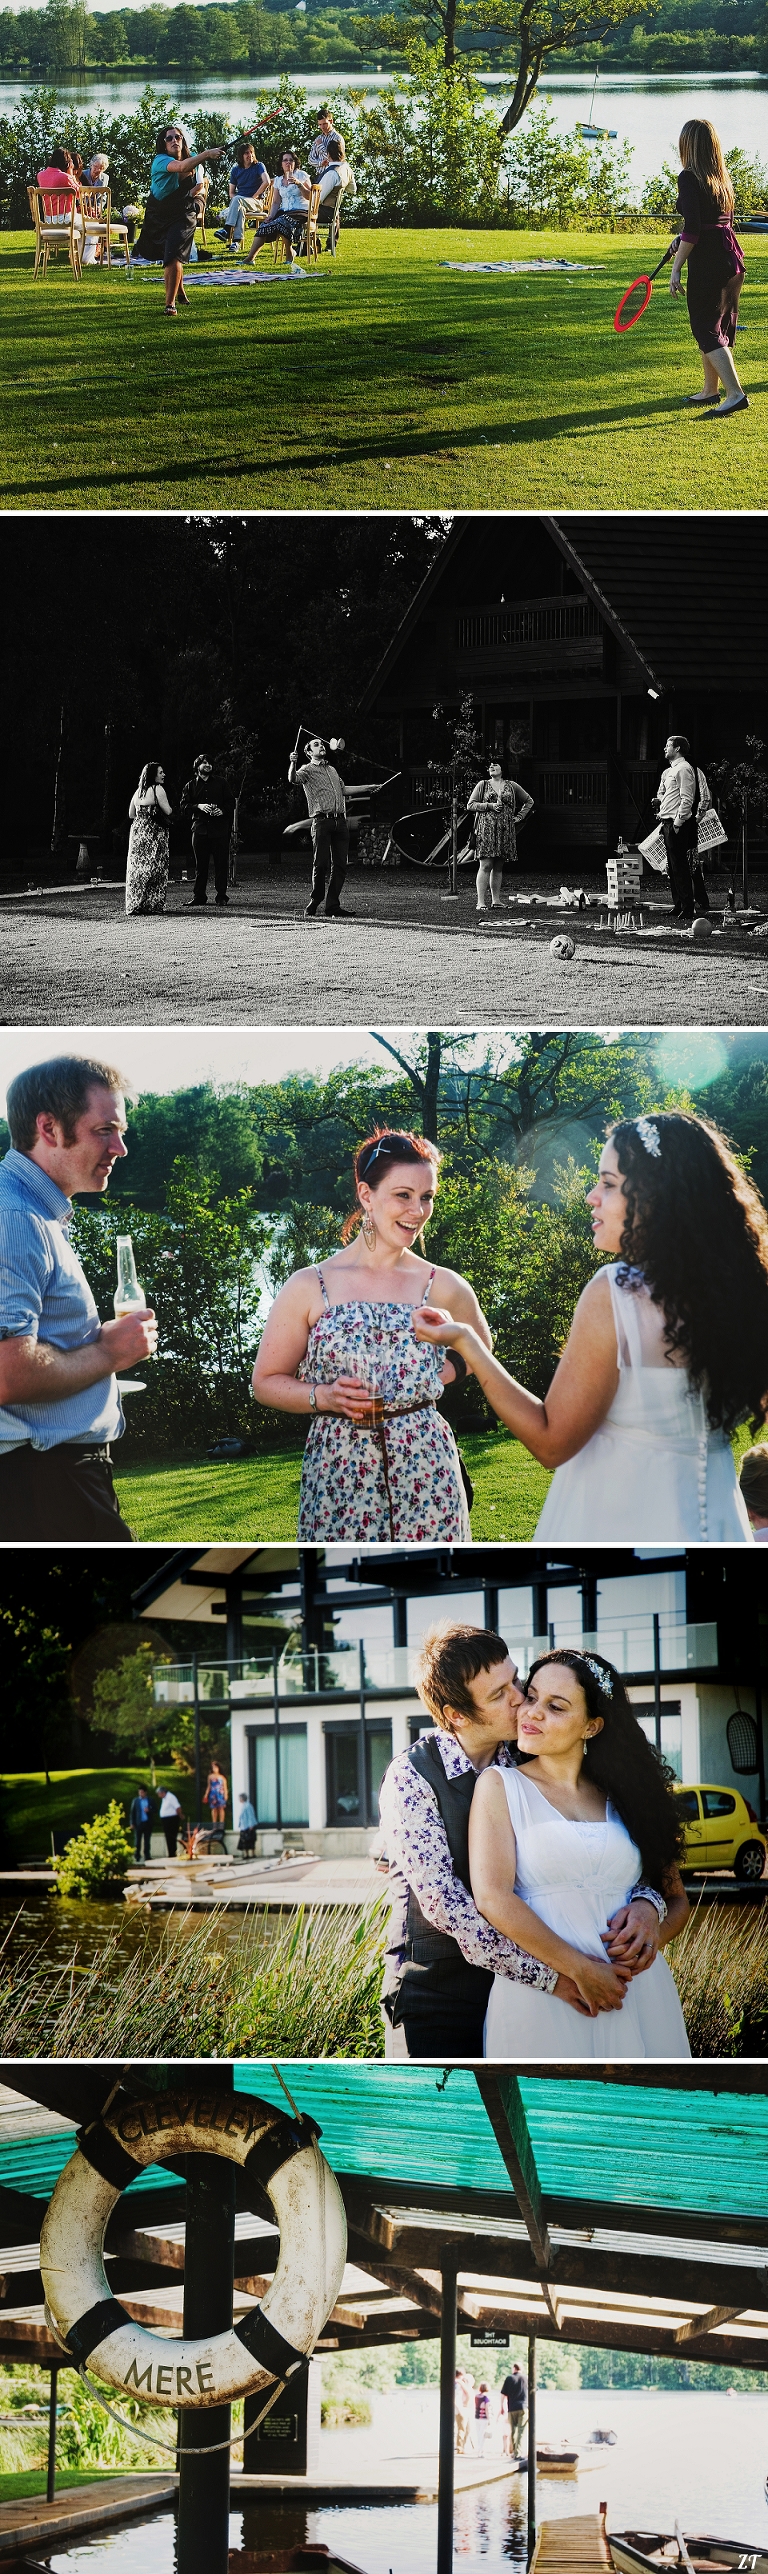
[(368, 1231)]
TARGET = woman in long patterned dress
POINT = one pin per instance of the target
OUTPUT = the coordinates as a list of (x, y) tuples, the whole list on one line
[(667, 1352), (146, 882), (498, 804), (340, 1347)]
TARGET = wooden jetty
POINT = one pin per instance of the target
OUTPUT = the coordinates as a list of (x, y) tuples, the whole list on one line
[(571, 2547), (31, 2523)]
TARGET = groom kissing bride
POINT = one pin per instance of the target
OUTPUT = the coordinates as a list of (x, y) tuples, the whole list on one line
[(532, 1843)]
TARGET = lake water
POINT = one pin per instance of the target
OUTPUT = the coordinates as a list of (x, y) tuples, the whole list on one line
[(65, 1927), (699, 2458), (647, 113)]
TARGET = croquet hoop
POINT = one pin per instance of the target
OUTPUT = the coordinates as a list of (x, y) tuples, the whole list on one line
[(275, 2339)]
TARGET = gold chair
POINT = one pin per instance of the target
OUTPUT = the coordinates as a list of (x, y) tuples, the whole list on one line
[(310, 243), (58, 226), (98, 224)]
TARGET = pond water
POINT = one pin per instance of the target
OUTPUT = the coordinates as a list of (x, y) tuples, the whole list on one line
[(699, 2457), (647, 113), (65, 1926)]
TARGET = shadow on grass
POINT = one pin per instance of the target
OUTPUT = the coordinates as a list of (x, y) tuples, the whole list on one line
[(352, 452)]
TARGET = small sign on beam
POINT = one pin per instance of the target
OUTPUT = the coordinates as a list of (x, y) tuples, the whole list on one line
[(489, 2341)]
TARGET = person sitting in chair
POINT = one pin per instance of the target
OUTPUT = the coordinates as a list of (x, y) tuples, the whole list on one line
[(248, 184), (336, 180), (292, 189)]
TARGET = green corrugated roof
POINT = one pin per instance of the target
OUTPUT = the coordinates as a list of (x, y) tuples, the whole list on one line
[(657, 2148), (670, 2149)]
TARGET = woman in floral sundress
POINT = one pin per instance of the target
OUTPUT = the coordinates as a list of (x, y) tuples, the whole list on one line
[(339, 1346)]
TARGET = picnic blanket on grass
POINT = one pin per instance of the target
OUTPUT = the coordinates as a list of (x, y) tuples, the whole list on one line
[(519, 267)]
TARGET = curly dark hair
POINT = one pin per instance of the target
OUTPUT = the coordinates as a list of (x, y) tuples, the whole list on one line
[(625, 1765), (698, 1230)]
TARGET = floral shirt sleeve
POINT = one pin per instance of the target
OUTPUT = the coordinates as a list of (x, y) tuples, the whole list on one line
[(415, 1837)]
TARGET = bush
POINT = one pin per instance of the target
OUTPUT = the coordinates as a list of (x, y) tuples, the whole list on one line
[(345, 2412), (556, 180), (97, 1857)]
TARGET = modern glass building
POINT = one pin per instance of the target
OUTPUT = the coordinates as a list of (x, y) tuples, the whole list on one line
[(301, 1666)]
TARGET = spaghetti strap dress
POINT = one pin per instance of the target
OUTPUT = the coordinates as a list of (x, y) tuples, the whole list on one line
[(654, 1470), (403, 1478), (575, 1876), (146, 882)]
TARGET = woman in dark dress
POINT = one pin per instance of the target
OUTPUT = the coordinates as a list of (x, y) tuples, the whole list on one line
[(715, 266), (172, 209)]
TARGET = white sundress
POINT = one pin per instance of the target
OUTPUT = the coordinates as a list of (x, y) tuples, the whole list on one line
[(575, 1876), (654, 1470)]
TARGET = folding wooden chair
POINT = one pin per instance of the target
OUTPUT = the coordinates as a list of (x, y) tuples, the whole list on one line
[(58, 226), (98, 225)]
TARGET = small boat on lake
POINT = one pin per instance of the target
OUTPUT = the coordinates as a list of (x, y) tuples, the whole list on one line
[(633, 2551), (556, 2458), (602, 2439)]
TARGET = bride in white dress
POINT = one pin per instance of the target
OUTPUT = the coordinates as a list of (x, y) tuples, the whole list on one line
[(667, 1351), (556, 1846)]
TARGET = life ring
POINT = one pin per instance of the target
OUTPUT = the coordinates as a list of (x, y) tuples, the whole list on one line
[(275, 2338)]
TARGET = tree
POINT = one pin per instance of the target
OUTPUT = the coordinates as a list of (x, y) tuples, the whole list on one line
[(123, 1705), (524, 33), (36, 1662)]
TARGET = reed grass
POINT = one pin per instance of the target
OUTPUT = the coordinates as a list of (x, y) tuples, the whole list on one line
[(303, 1984), (720, 1966)]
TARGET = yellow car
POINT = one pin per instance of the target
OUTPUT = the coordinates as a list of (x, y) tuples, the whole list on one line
[(721, 1831)]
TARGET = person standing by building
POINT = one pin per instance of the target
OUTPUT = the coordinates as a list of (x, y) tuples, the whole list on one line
[(60, 1408), (210, 799), (677, 805), (514, 2397), (141, 1821), (215, 1798), (498, 804), (246, 1825), (170, 1817), (327, 809)]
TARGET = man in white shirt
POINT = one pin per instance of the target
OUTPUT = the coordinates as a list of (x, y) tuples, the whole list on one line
[(327, 809), (677, 807), (170, 1817), (337, 178)]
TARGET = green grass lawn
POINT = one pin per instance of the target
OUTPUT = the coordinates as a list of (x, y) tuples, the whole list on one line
[(385, 381), (259, 1496), (31, 1811), (26, 2483)]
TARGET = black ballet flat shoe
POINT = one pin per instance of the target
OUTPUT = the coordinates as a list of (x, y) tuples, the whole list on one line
[(728, 410)]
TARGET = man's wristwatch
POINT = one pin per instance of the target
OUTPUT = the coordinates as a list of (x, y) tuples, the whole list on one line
[(650, 1895)]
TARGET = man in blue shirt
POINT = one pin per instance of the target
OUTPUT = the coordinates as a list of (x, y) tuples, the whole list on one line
[(141, 1819), (247, 1826), (248, 183), (59, 1402)]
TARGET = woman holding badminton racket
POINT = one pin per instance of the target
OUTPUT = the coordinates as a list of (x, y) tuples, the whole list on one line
[(715, 266)]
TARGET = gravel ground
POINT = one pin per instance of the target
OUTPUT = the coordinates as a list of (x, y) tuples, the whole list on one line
[(71, 957)]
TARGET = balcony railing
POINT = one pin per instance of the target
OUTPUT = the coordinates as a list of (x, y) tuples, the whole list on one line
[(225, 1686), (541, 621), (316, 1674)]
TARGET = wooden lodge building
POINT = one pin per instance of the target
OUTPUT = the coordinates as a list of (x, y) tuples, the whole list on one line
[(582, 642)]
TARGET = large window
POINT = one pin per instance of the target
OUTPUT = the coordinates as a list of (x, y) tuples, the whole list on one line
[(352, 1785), (294, 1794), (671, 1730)]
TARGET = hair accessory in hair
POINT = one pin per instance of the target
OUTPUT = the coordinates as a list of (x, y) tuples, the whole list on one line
[(649, 1136), (602, 1677)]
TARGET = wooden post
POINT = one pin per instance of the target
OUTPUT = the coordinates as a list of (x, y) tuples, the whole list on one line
[(50, 2489), (203, 2530), (531, 2446), (447, 2416)]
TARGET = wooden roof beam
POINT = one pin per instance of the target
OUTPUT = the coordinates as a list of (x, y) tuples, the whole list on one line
[(504, 2107)]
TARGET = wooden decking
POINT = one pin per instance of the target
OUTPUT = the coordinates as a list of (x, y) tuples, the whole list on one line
[(32, 2523), (570, 2547)]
